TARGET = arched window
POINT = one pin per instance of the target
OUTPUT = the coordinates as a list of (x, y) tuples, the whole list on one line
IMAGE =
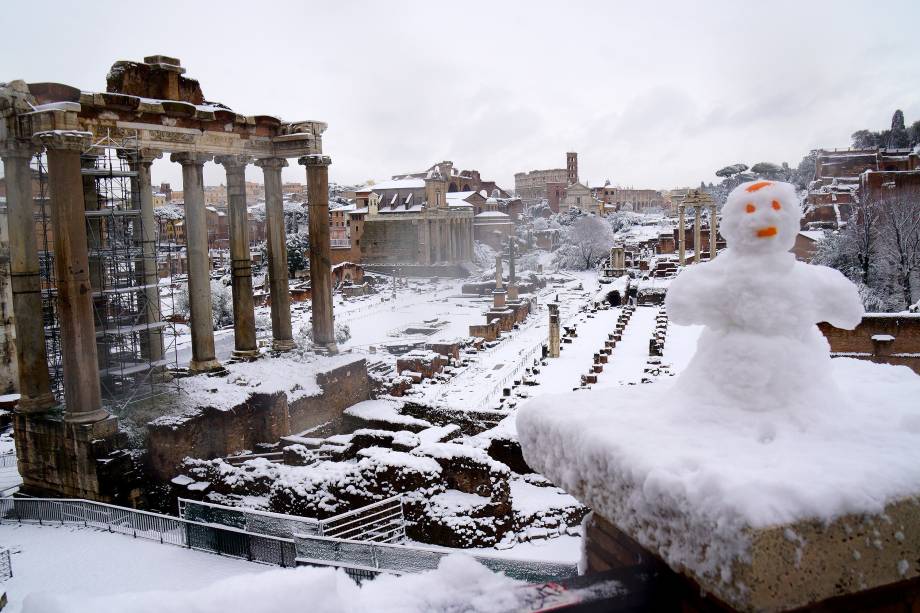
[(452, 187)]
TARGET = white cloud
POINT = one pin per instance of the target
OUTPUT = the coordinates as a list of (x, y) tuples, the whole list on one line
[(654, 94)]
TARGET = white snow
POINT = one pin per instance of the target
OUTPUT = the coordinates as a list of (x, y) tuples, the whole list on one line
[(87, 571), (386, 410), (760, 429)]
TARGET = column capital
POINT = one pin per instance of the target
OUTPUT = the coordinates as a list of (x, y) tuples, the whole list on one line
[(316, 159), (63, 140), (271, 163), (190, 158), (233, 162), (17, 148), (147, 156)]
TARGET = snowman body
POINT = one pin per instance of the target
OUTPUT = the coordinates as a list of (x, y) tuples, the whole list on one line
[(760, 348)]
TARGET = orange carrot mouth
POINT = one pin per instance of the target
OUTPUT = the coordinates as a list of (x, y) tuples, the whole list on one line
[(766, 232)]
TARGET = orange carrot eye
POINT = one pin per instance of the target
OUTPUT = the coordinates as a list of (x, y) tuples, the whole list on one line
[(776, 205), (750, 208)]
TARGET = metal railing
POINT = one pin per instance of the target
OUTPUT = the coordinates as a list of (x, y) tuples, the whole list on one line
[(249, 520), (222, 540), (381, 522), (8, 460), (6, 566), (375, 557)]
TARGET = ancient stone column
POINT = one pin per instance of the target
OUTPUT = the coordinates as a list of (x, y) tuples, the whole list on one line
[(320, 267), (613, 261), (424, 241), (713, 231), (681, 234), (499, 282), (697, 234), (82, 395), (434, 230), (512, 273), (553, 330), (152, 346), (199, 268), (25, 281), (244, 315), (282, 336)]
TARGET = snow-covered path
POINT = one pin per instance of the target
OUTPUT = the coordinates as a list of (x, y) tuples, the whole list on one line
[(84, 562), (563, 374), (626, 363)]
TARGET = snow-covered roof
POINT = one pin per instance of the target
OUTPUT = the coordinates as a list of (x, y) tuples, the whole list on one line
[(493, 214), (814, 235), (401, 209), (459, 195), (395, 184)]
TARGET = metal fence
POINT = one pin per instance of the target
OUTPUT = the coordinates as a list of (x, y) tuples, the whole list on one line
[(7, 460), (249, 520), (398, 559), (222, 540), (381, 522), (6, 566)]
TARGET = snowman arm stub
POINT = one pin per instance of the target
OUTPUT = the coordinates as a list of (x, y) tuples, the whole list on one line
[(693, 295), (837, 298)]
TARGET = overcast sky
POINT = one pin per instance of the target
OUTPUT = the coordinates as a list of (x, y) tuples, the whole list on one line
[(650, 94)]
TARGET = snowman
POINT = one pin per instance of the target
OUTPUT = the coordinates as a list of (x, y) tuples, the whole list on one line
[(760, 349)]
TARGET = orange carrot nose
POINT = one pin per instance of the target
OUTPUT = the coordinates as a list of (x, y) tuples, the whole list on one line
[(766, 232)]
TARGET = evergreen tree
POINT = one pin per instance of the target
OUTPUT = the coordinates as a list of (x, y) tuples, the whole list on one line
[(898, 136)]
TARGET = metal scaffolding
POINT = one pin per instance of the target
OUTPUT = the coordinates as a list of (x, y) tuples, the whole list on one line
[(129, 320)]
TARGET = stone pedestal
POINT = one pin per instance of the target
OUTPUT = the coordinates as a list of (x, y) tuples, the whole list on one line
[(282, 336), (72, 460)]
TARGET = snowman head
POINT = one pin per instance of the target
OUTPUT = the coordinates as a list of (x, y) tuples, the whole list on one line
[(761, 217)]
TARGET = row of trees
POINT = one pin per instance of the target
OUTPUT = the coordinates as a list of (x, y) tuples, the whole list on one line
[(897, 136), (879, 250)]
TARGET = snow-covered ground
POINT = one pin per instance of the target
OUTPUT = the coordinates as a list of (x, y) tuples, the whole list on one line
[(9, 473), (80, 570), (80, 562)]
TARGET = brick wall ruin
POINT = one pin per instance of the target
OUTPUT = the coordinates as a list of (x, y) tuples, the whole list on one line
[(262, 418)]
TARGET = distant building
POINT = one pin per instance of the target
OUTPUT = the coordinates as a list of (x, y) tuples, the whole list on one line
[(411, 220), (637, 200), (538, 185), (578, 196), (844, 177)]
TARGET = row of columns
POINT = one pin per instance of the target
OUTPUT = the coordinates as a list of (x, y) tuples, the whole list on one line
[(697, 233), (449, 240), (74, 305)]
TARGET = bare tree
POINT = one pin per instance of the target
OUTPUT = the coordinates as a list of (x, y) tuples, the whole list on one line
[(586, 243), (899, 231)]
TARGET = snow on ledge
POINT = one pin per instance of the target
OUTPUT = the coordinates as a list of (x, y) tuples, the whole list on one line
[(690, 482)]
